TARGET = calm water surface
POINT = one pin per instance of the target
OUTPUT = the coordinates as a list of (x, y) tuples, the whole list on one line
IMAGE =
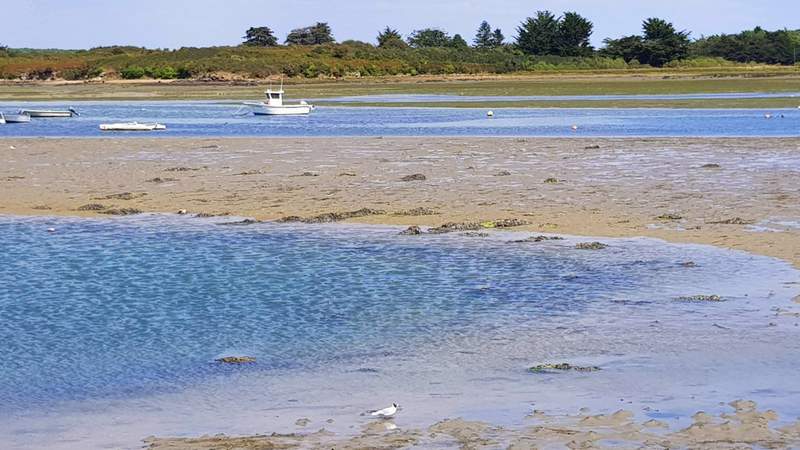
[(221, 119), (114, 324), (432, 98)]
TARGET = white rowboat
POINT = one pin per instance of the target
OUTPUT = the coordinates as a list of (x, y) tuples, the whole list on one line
[(132, 126), (50, 112)]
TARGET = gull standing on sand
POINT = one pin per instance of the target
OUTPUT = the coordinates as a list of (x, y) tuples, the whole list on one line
[(385, 413)]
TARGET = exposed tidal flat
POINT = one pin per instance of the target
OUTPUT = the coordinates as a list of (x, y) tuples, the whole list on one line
[(730, 192), (132, 311)]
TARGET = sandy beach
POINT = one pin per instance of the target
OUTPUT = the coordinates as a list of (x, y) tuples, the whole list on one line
[(734, 193)]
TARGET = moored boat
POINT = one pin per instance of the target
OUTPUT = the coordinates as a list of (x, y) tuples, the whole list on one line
[(132, 126), (69, 112), (2, 119), (275, 106), (17, 118)]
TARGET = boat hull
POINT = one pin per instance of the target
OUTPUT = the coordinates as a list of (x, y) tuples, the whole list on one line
[(132, 127), (17, 118), (284, 110), (39, 113)]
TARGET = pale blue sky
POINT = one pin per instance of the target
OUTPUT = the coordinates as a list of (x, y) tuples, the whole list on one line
[(177, 23)]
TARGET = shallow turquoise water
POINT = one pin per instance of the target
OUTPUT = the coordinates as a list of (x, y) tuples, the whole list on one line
[(108, 307), (137, 309)]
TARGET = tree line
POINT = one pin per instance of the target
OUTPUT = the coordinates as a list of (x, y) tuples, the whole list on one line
[(542, 42), (568, 35)]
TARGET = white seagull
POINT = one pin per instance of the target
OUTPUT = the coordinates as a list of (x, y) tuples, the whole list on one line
[(385, 413)]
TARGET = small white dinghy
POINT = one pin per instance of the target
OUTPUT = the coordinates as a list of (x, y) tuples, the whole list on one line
[(275, 107), (132, 126)]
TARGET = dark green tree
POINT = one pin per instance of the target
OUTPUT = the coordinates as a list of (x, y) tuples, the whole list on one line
[(574, 32), (322, 33), (655, 28), (300, 36), (429, 37), (659, 44), (260, 37), (390, 38), (628, 48), (539, 35), (663, 43), (497, 37), (458, 42), (756, 45), (484, 37), (319, 33)]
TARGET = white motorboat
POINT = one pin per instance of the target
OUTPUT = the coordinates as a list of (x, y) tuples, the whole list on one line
[(2, 119), (69, 112), (132, 126), (275, 107), (17, 118)]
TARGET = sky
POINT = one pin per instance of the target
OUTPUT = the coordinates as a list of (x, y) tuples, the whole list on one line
[(79, 24)]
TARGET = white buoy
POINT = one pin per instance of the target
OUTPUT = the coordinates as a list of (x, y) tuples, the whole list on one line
[(491, 113)]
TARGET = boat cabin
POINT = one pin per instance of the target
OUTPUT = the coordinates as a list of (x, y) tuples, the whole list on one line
[(274, 98)]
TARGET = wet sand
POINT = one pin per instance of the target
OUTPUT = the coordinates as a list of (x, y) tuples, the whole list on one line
[(743, 427), (734, 193)]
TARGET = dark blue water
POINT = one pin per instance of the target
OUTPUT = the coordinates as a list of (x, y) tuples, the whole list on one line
[(221, 119), (112, 308)]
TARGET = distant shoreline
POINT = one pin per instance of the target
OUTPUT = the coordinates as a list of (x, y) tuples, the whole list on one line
[(559, 84)]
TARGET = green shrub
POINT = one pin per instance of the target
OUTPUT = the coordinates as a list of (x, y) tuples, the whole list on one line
[(45, 73), (184, 73), (132, 73), (700, 62), (165, 73), (81, 73)]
